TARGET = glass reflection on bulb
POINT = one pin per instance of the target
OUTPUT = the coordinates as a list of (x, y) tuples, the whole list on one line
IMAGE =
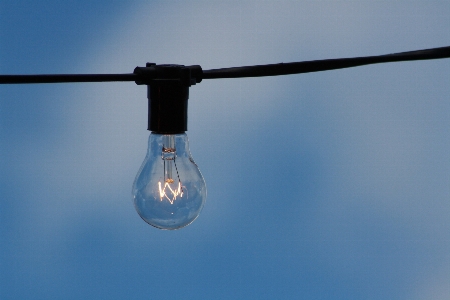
[(169, 191)]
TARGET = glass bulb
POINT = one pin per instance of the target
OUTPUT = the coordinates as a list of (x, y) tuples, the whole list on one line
[(169, 191)]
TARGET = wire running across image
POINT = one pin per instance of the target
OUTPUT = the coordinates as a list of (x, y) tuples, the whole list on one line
[(237, 72)]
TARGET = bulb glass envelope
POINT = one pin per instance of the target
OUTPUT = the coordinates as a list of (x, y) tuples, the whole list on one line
[(169, 191)]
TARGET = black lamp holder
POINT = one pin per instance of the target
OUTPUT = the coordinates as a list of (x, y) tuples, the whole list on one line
[(168, 95)]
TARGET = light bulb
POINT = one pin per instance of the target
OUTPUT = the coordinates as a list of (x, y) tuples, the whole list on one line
[(169, 191)]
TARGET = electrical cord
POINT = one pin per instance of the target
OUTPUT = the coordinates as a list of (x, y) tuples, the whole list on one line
[(324, 65), (142, 75)]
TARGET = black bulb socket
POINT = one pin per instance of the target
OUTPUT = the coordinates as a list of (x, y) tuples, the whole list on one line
[(168, 94), (167, 106)]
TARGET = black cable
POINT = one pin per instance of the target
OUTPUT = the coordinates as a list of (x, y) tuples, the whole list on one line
[(59, 78), (323, 65), (143, 75)]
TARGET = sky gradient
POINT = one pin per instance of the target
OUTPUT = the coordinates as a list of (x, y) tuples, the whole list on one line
[(331, 185)]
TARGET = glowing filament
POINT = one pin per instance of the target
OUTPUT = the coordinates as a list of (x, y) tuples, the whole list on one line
[(175, 193)]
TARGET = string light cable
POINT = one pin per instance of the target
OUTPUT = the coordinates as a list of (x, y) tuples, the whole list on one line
[(141, 75)]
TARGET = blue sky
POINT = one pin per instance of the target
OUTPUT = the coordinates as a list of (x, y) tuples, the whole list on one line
[(326, 185)]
